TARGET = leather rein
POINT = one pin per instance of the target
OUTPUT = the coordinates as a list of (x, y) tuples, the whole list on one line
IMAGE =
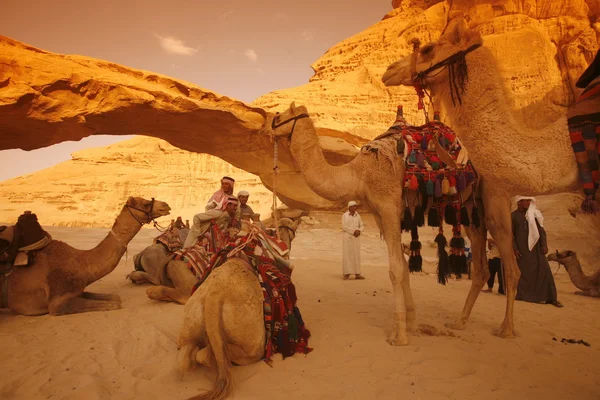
[(147, 213)]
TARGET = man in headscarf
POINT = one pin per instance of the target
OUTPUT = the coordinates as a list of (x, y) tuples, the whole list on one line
[(244, 210), (218, 199), (530, 247), (352, 226), (224, 220)]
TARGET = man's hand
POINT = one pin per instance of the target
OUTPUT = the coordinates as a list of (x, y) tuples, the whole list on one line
[(544, 250), (517, 254), (356, 233)]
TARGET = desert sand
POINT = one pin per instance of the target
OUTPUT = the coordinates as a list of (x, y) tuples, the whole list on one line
[(132, 353)]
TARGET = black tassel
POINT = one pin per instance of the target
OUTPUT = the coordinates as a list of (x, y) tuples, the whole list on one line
[(464, 216), (450, 214), (475, 217), (407, 221), (443, 268), (457, 242), (433, 218), (415, 263), (457, 265), (419, 219)]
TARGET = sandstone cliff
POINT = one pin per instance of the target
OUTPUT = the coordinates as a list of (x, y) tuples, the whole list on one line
[(90, 189)]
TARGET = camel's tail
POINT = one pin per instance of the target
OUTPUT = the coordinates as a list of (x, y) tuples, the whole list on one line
[(217, 347)]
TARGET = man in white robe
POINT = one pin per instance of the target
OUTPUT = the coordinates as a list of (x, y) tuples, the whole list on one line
[(352, 226)]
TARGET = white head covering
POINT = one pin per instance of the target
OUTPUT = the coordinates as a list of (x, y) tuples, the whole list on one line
[(352, 203), (531, 215), (243, 193)]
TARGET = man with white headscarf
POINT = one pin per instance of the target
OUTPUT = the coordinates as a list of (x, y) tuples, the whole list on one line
[(224, 220), (244, 210), (218, 201), (352, 226), (530, 246)]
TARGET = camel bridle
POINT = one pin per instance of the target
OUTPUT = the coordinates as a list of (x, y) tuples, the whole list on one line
[(147, 213), (275, 124), (458, 73)]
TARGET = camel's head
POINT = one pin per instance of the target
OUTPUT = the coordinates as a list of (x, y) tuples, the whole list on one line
[(428, 61), (287, 231), (283, 124), (561, 256), (145, 211)]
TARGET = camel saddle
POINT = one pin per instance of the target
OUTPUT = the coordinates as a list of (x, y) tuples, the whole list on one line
[(19, 242)]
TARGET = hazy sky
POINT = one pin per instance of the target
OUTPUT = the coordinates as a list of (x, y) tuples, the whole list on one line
[(242, 49)]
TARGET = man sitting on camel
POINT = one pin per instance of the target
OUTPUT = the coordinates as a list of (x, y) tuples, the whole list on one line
[(219, 199), (224, 220)]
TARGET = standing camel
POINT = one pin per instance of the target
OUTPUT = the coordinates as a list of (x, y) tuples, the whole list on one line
[(510, 156), (375, 180), (173, 278), (55, 283)]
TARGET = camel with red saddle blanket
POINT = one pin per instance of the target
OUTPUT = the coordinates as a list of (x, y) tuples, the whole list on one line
[(54, 282), (175, 279)]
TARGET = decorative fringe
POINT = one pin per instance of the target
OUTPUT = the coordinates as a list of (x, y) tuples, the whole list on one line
[(457, 242), (407, 221), (452, 191), (415, 261), (450, 214), (419, 218), (424, 143), (445, 186), (412, 157), (414, 183), (464, 216), (438, 189), (461, 182), (590, 206), (430, 188), (443, 267), (433, 218), (457, 264), (420, 160), (475, 217)]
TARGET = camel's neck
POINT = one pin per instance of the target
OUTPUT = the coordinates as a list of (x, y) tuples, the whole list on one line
[(331, 182), (579, 279), (104, 258)]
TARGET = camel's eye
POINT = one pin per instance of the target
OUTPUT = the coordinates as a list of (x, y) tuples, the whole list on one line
[(427, 50)]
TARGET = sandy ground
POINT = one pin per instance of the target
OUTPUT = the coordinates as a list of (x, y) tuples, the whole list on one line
[(131, 353)]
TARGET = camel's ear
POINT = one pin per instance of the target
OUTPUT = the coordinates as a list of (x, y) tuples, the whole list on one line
[(293, 106), (131, 201), (296, 224), (457, 30)]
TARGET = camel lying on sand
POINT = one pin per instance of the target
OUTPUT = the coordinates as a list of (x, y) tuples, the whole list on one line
[(589, 285), (223, 323), (175, 281), (56, 281)]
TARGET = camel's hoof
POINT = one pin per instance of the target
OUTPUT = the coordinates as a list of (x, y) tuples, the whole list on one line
[(456, 325), (506, 334), (398, 341)]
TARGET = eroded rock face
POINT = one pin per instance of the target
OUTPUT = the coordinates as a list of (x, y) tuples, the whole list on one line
[(90, 189)]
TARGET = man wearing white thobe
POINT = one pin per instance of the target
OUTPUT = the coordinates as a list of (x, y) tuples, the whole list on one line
[(353, 227)]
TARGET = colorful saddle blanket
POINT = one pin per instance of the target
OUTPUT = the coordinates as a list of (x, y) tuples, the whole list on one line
[(286, 332)]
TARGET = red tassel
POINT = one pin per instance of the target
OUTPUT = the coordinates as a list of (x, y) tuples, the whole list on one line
[(414, 183), (452, 180)]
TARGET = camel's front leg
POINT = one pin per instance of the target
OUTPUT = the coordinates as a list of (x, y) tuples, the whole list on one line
[(163, 293), (70, 304), (404, 307), (100, 296), (498, 221), (139, 277), (480, 273)]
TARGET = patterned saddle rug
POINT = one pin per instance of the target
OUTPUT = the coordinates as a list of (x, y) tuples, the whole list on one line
[(437, 170), (286, 332)]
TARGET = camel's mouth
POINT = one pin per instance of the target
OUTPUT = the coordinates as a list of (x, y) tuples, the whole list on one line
[(163, 210)]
